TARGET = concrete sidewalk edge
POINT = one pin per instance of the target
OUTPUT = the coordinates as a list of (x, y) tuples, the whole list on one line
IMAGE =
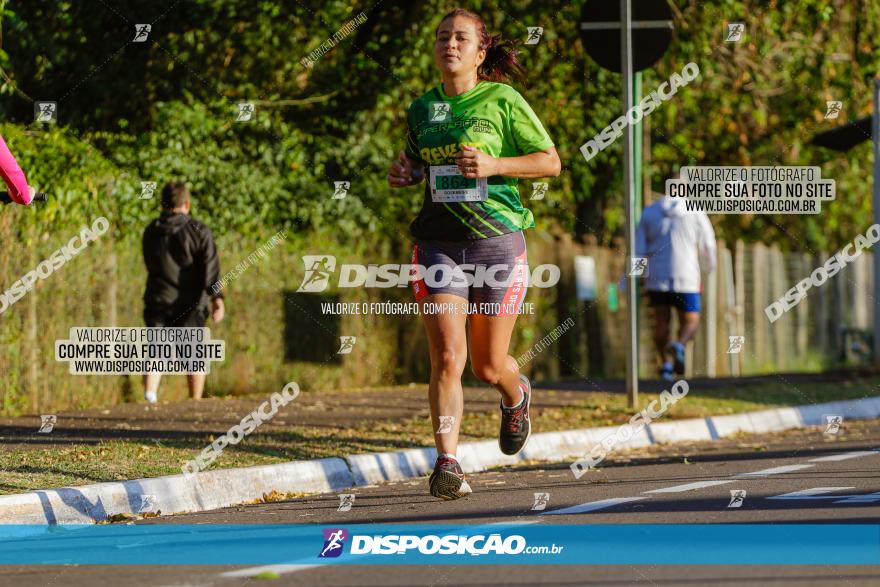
[(227, 487)]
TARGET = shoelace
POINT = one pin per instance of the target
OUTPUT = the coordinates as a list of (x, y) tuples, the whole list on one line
[(513, 422), (445, 463)]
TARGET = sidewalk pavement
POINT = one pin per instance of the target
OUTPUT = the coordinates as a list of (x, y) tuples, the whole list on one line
[(328, 410)]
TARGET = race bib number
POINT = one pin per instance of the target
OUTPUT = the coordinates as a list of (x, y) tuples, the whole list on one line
[(449, 185)]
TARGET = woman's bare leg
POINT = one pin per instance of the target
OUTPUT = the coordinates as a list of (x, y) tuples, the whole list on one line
[(447, 342)]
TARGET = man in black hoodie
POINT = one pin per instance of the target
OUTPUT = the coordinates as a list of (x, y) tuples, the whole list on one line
[(182, 265)]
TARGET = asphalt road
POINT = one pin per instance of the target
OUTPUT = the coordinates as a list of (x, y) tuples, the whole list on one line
[(832, 479)]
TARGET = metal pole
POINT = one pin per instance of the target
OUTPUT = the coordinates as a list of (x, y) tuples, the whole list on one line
[(638, 149), (632, 338), (639, 185), (875, 134)]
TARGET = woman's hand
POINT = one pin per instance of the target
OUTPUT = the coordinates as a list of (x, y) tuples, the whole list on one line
[(474, 163), (404, 173)]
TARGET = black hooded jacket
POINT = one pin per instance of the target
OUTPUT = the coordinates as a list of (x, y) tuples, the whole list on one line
[(182, 263)]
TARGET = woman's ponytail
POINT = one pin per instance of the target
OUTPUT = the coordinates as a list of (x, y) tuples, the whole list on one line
[(501, 62)]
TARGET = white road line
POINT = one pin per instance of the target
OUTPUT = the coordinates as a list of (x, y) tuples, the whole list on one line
[(821, 493), (690, 486), (847, 455), (814, 493), (280, 569), (864, 498), (776, 470), (592, 506)]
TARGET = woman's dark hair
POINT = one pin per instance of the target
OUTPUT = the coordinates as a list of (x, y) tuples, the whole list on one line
[(501, 63)]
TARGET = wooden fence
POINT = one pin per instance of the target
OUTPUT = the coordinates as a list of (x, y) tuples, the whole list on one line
[(275, 334), (830, 327)]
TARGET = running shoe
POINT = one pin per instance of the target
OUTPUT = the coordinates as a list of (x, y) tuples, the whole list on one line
[(151, 397), (678, 357), (447, 480), (515, 425), (666, 373)]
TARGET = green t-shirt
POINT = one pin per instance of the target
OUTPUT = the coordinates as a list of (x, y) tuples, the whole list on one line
[(493, 118)]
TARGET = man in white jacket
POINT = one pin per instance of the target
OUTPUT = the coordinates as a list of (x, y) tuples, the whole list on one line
[(677, 244)]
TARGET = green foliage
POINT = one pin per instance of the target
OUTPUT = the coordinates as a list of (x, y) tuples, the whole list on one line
[(760, 101), (82, 182), (165, 108)]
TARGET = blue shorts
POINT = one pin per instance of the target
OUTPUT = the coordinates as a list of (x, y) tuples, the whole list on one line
[(686, 302)]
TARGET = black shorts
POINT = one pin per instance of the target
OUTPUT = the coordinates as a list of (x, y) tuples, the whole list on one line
[(490, 273), (175, 317)]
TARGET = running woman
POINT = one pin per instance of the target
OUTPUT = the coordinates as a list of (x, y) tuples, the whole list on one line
[(471, 137), (19, 190)]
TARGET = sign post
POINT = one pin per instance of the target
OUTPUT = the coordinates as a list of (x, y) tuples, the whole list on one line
[(640, 42), (629, 181)]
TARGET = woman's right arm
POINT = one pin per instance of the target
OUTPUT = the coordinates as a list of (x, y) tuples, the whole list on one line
[(14, 177), (405, 172)]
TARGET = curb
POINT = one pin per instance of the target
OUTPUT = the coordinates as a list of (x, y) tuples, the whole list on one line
[(88, 504), (227, 487)]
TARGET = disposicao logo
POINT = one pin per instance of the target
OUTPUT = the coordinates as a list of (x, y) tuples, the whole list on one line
[(319, 269), (334, 541), (430, 544)]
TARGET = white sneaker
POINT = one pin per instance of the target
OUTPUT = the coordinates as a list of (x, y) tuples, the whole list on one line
[(151, 397)]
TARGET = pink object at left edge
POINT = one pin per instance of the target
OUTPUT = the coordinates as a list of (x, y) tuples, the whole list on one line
[(14, 177)]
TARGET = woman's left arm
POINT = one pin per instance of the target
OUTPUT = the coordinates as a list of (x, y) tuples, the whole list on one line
[(474, 163), (544, 163)]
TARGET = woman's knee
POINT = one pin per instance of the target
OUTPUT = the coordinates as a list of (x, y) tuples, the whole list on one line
[(448, 362), (488, 372)]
